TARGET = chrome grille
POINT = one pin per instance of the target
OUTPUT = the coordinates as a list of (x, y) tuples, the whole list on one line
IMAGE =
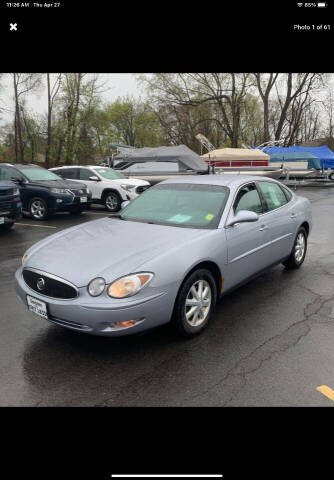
[(49, 285)]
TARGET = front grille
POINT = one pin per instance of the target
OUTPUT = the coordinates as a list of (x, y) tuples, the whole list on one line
[(49, 285), (79, 192), (8, 191), (142, 189), (6, 205)]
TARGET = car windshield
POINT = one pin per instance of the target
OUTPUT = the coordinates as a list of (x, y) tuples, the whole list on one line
[(37, 173), (179, 204), (109, 173)]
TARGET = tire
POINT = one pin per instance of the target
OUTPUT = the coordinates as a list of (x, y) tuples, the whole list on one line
[(112, 201), (38, 209), (194, 324), (331, 176), (6, 226), (297, 255)]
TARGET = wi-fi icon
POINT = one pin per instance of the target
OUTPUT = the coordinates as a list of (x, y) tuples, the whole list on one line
[(300, 4)]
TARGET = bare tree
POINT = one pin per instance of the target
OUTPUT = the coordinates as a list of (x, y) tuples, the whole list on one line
[(22, 83), (52, 89), (264, 87), (226, 91)]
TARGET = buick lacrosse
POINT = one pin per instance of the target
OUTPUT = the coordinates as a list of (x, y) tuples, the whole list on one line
[(168, 256)]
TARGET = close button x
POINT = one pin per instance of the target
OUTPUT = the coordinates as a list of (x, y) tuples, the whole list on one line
[(13, 26)]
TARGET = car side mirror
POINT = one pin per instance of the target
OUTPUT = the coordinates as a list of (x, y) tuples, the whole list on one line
[(17, 180), (124, 204), (94, 178), (243, 216)]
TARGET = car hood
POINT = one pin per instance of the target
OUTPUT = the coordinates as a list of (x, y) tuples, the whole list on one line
[(107, 247), (57, 184), (129, 181)]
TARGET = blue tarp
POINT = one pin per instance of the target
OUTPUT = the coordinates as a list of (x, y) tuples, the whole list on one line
[(312, 160), (325, 154)]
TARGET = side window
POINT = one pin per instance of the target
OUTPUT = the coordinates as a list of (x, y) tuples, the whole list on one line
[(85, 173), (6, 173), (273, 195), (69, 173), (248, 198)]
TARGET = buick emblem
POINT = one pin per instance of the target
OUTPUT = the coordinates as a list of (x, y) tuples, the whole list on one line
[(40, 284)]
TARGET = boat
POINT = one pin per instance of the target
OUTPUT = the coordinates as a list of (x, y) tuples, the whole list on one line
[(297, 164), (243, 161), (159, 163)]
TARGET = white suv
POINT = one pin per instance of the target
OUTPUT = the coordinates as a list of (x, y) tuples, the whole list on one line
[(108, 187)]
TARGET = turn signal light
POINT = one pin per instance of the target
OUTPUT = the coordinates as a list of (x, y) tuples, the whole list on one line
[(128, 323)]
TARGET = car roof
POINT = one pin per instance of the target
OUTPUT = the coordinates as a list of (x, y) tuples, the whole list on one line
[(19, 166), (76, 166), (230, 180)]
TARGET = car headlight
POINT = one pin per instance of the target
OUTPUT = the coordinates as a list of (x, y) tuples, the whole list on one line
[(16, 191), (96, 286), (59, 190), (129, 285), (127, 187), (24, 258)]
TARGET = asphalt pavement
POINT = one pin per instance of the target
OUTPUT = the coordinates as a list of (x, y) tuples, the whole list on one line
[(270, 343)]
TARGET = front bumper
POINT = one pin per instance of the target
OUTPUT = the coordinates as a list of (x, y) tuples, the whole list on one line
[(11, 211), (94, 315), (67, 203)]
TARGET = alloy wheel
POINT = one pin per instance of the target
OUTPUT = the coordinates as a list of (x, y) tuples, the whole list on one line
[(198, 303), (37, 209), (111, 202), (300, 247)]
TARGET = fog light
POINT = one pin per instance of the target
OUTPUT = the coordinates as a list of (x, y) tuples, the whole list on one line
[(128, 323), (59, 200)]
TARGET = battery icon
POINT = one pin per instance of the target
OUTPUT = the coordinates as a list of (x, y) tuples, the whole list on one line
[(322, 4)]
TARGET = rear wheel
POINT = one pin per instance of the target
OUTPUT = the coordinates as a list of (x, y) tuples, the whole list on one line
[(195, 303), (112, 202), (298, 252), (38, 209)]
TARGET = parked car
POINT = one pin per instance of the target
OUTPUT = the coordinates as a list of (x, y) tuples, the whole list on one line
[(109, 188), (168, 256), (43, 192), (10, 204)]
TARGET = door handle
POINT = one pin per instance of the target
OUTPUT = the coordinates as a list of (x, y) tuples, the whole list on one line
[(263, 227), (293, 215)]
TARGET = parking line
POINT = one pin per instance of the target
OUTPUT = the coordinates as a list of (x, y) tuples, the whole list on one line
[(328, 392), (97, 213), (31, 225)]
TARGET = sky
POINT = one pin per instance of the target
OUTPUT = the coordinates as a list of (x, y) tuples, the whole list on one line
[(119, 84)]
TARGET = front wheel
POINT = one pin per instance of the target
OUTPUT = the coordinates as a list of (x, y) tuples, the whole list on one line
[(6, 226), (195, 303), (38, 209), (112, 202), (297, 255)]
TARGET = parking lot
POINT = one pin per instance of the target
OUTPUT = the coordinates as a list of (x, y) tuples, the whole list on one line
[(270, 342)]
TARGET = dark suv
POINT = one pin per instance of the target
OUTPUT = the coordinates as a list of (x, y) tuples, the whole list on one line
[(43, 192), (10, 204)]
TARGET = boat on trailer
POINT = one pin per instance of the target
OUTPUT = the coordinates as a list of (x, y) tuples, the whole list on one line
[(243, 161)]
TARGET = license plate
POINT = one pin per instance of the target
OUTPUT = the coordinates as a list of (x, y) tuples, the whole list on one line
[(2, 220), (36, 306), (83, 199)]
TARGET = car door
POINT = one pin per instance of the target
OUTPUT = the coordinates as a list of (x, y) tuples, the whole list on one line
[(279, 219), (93, 185), (246, 243)]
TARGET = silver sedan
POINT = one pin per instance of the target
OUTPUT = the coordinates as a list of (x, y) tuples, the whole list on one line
[(169, 256)]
